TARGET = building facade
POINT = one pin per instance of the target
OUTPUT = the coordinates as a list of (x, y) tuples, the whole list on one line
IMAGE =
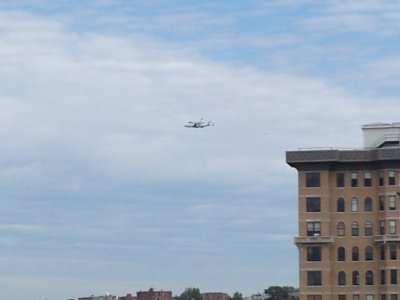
[(349, 218), (151, 294), (127, 297)]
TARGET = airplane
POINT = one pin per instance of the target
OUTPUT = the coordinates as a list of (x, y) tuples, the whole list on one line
[(199, 124)]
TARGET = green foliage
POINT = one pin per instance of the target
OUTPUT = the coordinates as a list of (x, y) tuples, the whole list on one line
[(190, 294), (280, 292), (236, 296)]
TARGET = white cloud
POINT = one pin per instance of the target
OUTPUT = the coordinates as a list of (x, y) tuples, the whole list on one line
[(94, 151)]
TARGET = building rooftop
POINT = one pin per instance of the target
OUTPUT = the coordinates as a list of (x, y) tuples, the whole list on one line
[(337, 155), (381, 143)]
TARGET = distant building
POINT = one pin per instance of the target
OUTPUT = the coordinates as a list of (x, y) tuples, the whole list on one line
[(260, 296), (349, 218), (127, 297), (151, 294), (214, 296)]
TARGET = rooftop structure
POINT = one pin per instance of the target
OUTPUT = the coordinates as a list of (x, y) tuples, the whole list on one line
[(379, 135)]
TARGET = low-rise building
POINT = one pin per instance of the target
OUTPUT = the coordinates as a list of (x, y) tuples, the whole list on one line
[(127, 297), (260, 296), (151, 294)]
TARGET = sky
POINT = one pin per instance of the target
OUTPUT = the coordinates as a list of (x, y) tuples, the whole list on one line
[(102, 188)]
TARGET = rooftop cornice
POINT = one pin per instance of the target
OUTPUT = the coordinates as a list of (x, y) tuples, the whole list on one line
[(340, 155)]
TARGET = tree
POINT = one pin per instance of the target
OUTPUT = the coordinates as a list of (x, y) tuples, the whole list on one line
[(236, 296), (280, 292), (191, 294)]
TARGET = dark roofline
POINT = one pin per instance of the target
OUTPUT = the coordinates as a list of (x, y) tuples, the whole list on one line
[(295, 158)]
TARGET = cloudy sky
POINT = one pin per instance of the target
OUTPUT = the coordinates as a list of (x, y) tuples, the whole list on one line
[(102, 188)]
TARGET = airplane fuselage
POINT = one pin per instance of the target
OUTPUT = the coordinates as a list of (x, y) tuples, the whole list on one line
[(199, 124)]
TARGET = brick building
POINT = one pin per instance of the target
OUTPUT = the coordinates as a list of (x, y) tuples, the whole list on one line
[(151, 294), (127, 297), (349, 218)]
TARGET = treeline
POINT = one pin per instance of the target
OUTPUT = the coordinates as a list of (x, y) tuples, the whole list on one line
[(280, 292), (195, 294), (275, 292)]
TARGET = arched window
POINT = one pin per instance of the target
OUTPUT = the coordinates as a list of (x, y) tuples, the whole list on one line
[(369, 278), (355, 278), (354, 254), (354, 229), (368, 204), (340, 229), (341, 254), (368, 228), (369, 254), (340, 205), (354, 204), (341, 278)]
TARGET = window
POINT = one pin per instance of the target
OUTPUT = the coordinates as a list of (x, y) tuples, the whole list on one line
[(341, 254), (381, 178), (393, 251), (354, 229), (393, 276), (314, 297), (382, 252), (313, 204), (367, 179), (340, 229), (368, 228), (368, 204), (392, 226), (369, 253), (341, 297), (381, 203), (312, 179), (355, 278), (354, 204), (383, 277), (382, 227), (340, 205), (391, 177), (392, 202), (314, 278), (356, 297), (313, 228), (314, 253), (340, 179), (341, 278), (383, 297), (354, 254), (369, 278), (393, 296), (369, 297), (354, 180)]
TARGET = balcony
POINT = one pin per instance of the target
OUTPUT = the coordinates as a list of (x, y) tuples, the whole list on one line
[(306, 240), (387, 238)]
